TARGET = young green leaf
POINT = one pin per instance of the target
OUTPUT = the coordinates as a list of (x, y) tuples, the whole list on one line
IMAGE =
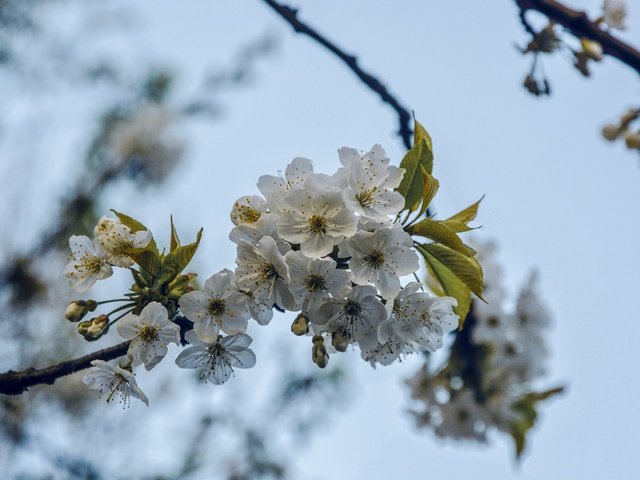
[(440, 234), (177, 260), (420, 134), (466, 215), (148, 260), (175, 240), (429, 189), (450, 284), (467, 269), (412, 185)]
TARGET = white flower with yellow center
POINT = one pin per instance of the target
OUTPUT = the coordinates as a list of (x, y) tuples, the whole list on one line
[(356, 318), (150, 333), (247, 210), (219, 306), (263, 272), (88, 263), (116, 239), (418, 319), (275, 188), (215, 357), (614, 13), (265, 226), (316, 218), (315, 282), (380, 258), (113, 381), (369, 183)]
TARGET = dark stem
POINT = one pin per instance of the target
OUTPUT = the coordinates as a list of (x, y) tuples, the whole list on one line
[(578, 24), (290, 15), (15, 383)]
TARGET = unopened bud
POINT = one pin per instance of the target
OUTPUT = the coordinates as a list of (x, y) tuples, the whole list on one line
[(93, 329), (340, 341), (76, 311), (632, 140), (611, 132), (591, 49), (319, 353), (300, 325)]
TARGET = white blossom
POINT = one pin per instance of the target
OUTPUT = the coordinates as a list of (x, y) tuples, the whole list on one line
[(380, 258), (369, 181), (247, 210), (265, 226), (113, 381), (461, 418), (215, 358), (275, 188), (357, 317), (316, 218), (88, 263), (418, 319), (116, 239), (315, 282), (150, 333), (263, 272), (219, 306), (614, 13)]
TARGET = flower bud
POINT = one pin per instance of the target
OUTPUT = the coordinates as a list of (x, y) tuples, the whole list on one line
[(300, 325), (591, 49), (632, 140), (77, 309), (340, 341), (610, 132), (319, 353), (93, 329)]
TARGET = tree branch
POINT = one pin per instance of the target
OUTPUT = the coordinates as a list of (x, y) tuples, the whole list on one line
[(290, 15), (15, 383), (578, 24)]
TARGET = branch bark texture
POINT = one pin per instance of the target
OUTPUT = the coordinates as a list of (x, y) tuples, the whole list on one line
[(290, 15), (15, 383), (579, 25)]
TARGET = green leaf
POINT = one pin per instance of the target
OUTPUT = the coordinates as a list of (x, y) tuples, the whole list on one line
[(412, 185), (420, 134), (466, 215), (429, 189), (177, 260), (441, 234), (148, 260), (467, 269), (450, 285), (133, 224), (458, 227), (175, 240)]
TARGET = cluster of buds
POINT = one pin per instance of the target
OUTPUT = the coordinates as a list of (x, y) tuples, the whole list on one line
[(623, 129)]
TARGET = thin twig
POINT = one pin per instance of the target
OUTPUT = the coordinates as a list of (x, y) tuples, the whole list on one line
[(290, 15), (579, 25)]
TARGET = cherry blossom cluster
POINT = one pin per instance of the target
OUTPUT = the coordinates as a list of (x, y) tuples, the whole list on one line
[(327, 246), (487, 382)]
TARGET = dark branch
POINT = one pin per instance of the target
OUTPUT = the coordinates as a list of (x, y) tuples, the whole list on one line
[(290, 15), (15, 383), (578, 24)]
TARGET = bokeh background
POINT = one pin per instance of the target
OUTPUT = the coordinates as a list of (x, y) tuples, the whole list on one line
[(559, 198)]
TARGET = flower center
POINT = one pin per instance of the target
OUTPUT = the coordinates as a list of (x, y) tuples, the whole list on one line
[(365, 199), (375, 259), (216, 307), (149, 333), (315, 283), (248, 214), (317, 224), (352, 309), (493, 322), (268, 272)]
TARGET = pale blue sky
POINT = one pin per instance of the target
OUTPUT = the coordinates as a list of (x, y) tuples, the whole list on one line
[(558, 198)]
